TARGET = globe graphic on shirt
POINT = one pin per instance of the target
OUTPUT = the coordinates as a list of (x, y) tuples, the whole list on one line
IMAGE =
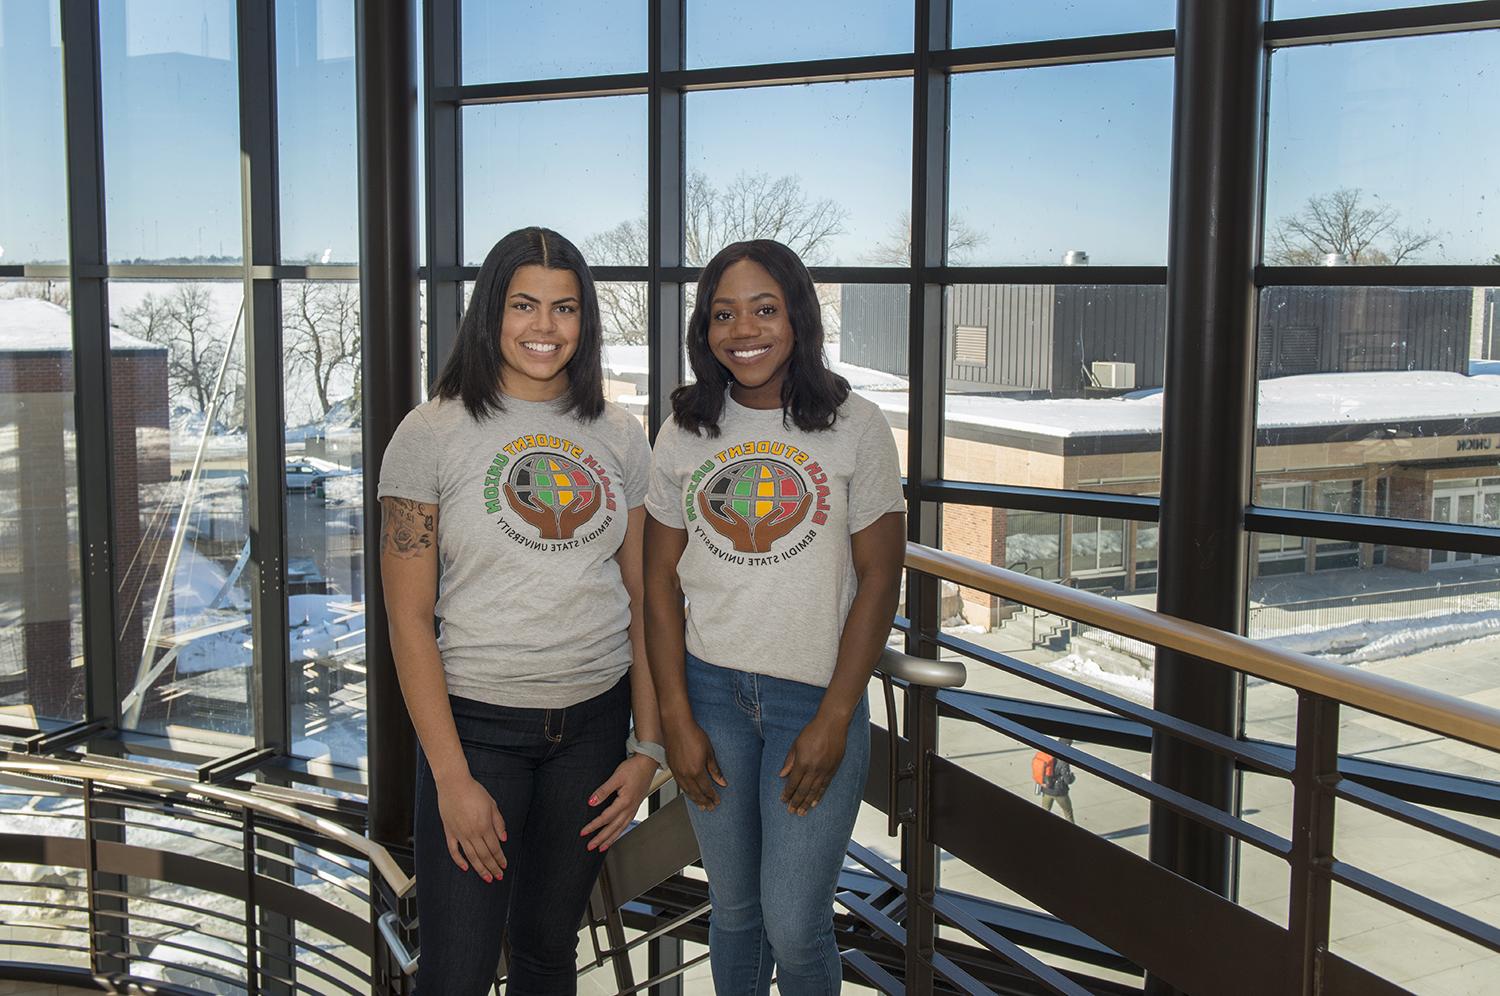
[(552, 483), (756, 490)]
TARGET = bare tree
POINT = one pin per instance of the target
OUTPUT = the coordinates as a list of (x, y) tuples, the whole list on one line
[(58, 292), (1343, 223), (622, 305), (895, 248), (183, 320), (757, 206), (751, 206), (322, 334)]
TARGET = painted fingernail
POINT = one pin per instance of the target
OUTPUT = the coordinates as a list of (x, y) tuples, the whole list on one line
[(593, 800), (487, 879)]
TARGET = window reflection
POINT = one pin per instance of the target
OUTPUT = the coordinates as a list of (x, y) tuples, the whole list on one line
[(41, 638), (181, 501)]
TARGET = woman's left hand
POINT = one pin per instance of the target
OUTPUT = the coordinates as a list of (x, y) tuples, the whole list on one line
[(811, 763), (629, 785)]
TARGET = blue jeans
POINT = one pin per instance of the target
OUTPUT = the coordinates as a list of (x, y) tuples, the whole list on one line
[(771, 875), (540, 766)]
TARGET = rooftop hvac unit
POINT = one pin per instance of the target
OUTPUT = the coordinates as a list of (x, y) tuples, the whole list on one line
[(1114, 375)]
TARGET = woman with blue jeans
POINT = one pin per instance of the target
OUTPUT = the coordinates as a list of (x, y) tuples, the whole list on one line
[(776, 513), (513, 505)]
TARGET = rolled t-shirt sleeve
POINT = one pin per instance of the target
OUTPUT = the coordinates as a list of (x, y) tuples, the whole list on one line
[(664, 498), (875, 487), (410, 466)]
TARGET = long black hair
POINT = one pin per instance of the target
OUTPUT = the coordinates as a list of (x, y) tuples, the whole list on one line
[(473, 371), (811, 393)]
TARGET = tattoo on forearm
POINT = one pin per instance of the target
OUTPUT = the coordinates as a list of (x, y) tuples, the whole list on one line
[(408, 528)]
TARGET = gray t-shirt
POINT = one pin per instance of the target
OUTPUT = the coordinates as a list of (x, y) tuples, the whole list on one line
[(532, 507), (769, 571)]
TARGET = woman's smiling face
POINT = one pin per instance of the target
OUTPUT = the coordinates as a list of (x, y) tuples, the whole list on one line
[(539, 332), (748, 328)]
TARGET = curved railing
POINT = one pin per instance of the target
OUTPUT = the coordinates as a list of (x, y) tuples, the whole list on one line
[(164, 881)]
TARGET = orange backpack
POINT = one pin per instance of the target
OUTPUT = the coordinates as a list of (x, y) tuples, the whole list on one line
[(1043, 768)]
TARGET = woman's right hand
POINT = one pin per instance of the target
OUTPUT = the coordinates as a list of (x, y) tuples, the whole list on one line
[(690, 755), (473, 826)]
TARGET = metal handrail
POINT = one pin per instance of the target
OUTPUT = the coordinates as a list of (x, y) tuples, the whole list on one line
[(379, 858), (1443, 714)]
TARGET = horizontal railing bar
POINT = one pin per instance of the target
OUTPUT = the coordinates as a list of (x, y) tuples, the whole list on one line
[(236, 918), (1417, 905), (131, 938), (138, 829), (71, 818), (339, 858), (317, 873), (24, 942), (1247, 752), (303, 966), (1033, 966), (380, 859), (54, 927), (37, 904), (129, 915), (1443, 714), (321, 952), (1176, 801), (1414, 815)]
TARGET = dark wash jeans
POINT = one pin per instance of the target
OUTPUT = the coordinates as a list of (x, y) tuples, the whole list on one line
[(540, 765)]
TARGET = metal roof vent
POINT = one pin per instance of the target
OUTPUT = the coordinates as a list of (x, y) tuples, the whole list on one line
[(1075, 257), (1336, 259)]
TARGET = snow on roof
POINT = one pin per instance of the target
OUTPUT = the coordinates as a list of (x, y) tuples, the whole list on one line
[(1329, 399), (28, 325), (620, 359)]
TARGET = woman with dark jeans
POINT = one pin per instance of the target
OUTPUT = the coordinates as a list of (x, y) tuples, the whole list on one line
[(513, 505), (776, 511)]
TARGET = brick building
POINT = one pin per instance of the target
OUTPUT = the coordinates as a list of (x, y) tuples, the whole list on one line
[(39, 565)]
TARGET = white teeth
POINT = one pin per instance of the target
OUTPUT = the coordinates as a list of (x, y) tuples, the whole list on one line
[(746, 354), (540, 347)]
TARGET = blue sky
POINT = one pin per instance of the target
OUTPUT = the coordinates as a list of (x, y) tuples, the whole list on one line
[(1043, 160)]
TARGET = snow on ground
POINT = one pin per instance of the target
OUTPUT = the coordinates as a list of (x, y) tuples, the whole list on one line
[(1384, 639), (1082, 667)]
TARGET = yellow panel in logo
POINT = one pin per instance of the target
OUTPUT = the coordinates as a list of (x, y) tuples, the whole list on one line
[(764, 488), (564, 498)]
